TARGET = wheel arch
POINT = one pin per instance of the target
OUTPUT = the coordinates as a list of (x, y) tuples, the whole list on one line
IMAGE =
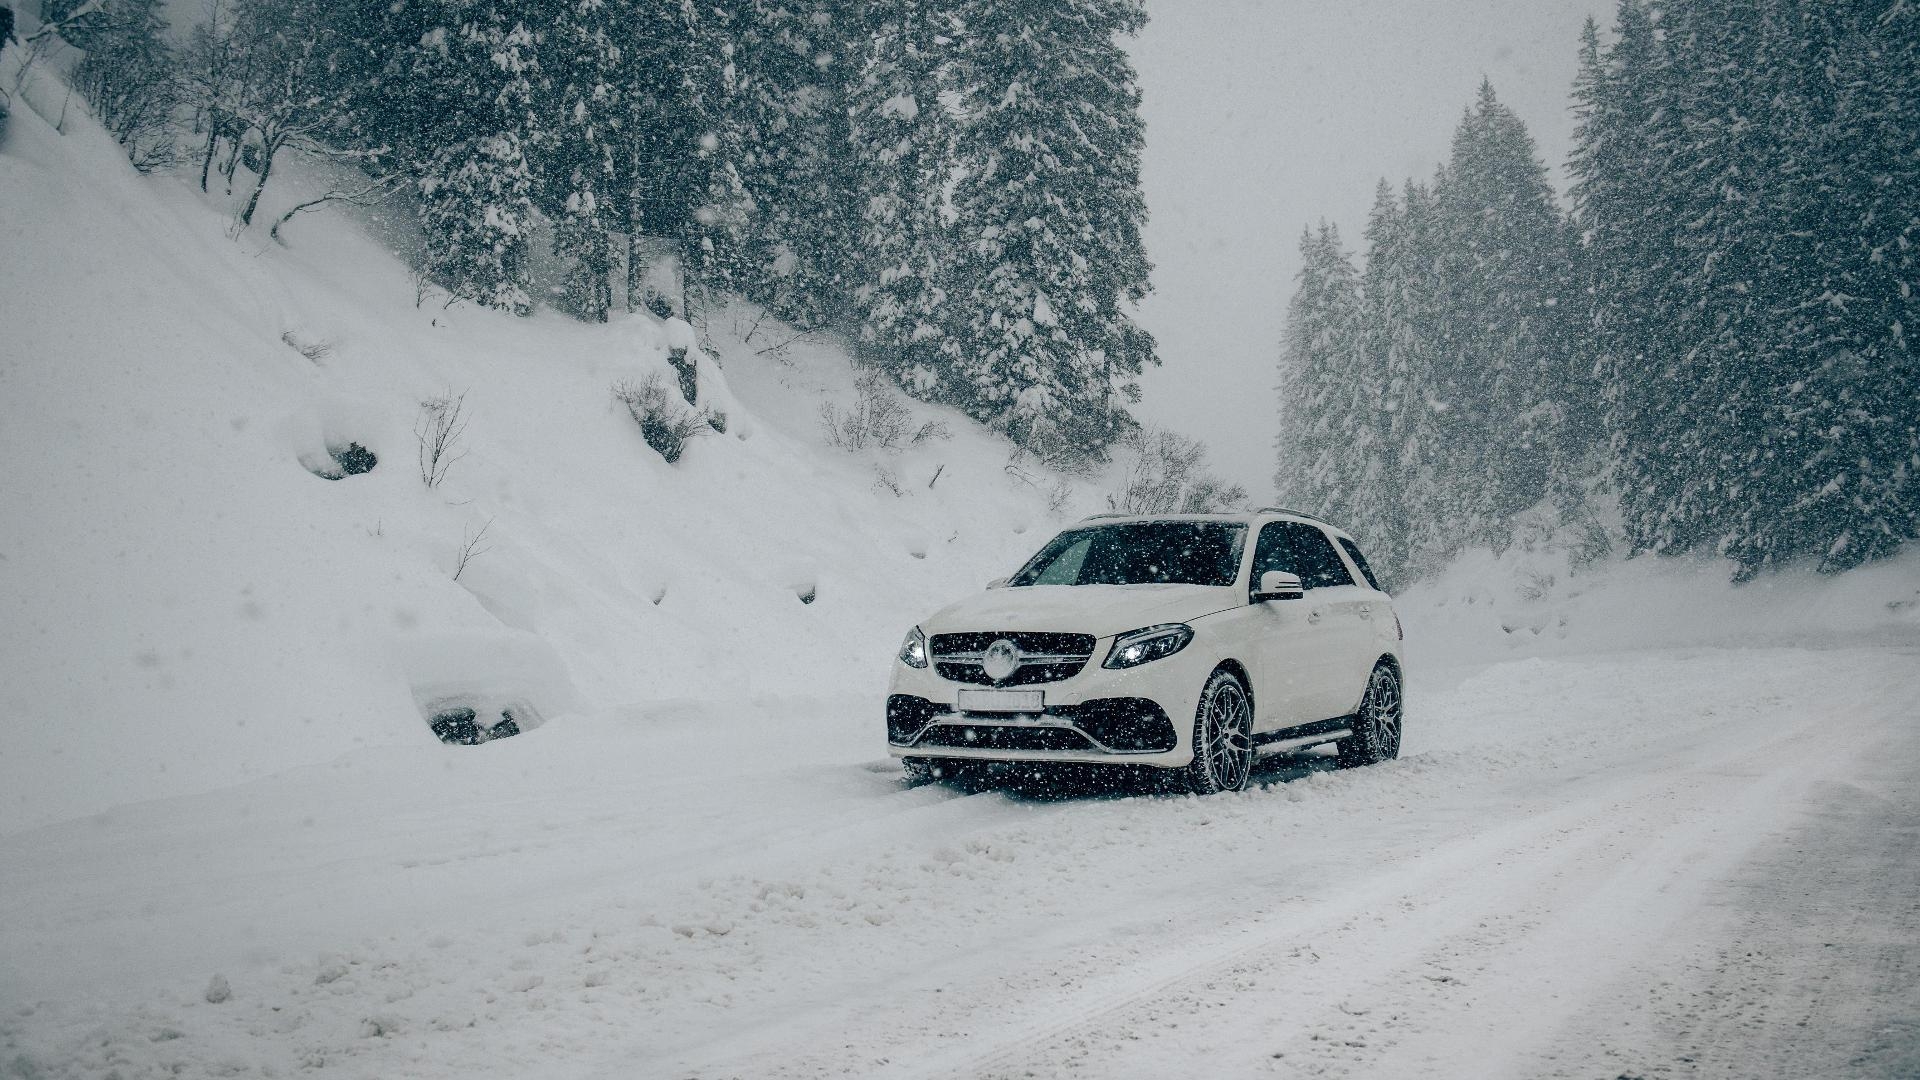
[(1393, 664), (1238, 671)]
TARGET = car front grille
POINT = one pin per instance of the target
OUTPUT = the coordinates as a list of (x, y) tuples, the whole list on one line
[(1000, 737), (1110, 725), (1045, 657)]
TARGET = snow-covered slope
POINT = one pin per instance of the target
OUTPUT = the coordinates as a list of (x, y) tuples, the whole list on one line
[(188, 606)]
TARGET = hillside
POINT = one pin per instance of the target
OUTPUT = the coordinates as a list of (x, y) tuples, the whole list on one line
[(193, 607)]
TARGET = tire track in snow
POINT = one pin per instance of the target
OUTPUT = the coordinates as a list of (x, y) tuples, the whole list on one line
[(1545, 862)]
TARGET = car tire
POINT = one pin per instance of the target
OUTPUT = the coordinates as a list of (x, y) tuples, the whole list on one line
[(1222, 737), (918, 770), (1376, 726)]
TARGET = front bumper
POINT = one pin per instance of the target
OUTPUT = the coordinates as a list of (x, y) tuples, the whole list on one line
[(1131, 716)]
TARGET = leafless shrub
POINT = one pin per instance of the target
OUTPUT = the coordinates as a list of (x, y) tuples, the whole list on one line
[(316, 351), (664, 422), (1058, 496), (438, 429), (1165, 472), (471, 550), (885, 479), (877, 419)]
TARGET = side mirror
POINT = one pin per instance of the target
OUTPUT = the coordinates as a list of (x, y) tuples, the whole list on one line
[(997, 583), (1278, 585)]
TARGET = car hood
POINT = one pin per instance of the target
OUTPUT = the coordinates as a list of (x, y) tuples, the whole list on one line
[(1101, 610)]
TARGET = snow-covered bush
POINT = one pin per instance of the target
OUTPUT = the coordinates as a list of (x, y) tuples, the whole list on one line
[(664, 423)]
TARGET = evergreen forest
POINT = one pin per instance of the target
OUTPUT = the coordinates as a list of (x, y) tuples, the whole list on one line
[(1708, 345)]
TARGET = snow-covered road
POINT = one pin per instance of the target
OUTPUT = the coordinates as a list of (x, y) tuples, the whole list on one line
[(1683, 863)]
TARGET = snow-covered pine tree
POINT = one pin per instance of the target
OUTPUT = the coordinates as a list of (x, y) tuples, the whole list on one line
[(1408, 288), (1503, 369), (720, 248), (1326, 422), (794, 63), (1627, 149), (663, 169), (479, 65), (1048, 210), (1394, 359), (1856, 405), (1826, 465), (585, 67), (901, 136), (1746, 181)]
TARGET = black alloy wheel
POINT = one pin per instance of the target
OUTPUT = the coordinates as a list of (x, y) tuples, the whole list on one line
[(1222, 737), (1376, 727)]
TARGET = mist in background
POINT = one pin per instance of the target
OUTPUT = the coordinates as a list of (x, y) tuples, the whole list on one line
[(1265, 116)]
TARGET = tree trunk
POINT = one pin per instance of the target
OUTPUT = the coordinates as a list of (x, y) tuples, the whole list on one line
[(267, 149), (233, 159), (213, 145)]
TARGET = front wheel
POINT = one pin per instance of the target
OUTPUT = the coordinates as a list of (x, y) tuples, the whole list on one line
[(1376, 727), (1222, 737)]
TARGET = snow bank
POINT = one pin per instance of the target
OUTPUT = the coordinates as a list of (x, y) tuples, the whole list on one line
[(1522, 603), (190, 605)]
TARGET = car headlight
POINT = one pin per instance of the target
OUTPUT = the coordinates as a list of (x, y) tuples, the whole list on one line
[(913, 651), (1137, 647)]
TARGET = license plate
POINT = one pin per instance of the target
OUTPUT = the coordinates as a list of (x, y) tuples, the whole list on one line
[(1002, 701)]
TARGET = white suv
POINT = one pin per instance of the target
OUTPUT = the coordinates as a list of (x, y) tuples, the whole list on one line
[(1190, 642)]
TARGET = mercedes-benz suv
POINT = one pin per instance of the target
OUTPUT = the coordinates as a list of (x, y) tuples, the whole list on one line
[(1187, 642)]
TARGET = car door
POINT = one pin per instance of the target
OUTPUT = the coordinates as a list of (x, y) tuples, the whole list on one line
[(1342, 610), (1294, 651), (1384, 628)]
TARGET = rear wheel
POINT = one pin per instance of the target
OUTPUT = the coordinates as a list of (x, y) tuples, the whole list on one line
[(1222, 737), (1376, 727)]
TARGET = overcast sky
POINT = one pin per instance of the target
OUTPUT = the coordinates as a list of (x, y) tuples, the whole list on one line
[(1264, 116)]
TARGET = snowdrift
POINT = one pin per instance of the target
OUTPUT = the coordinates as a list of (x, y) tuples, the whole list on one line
[(1522, 603)]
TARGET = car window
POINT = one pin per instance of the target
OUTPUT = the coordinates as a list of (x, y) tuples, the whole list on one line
[(1140, 553), (1353, 552), (1272, 552), (1314, 559), (1064, 567)]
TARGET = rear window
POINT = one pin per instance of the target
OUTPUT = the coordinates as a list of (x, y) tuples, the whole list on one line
[(1353, 552), (1140, 553)]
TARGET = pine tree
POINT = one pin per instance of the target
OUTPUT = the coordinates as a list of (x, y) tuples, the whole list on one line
[(1393, 366), (664, 169), (1503, 369), (479, 65), (1411, 281), (901, 135), (1327, 411), (794, 63), (1048, 211), (1746, 183), (585, 68)]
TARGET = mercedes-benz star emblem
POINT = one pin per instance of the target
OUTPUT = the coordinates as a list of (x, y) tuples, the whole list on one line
[(1001, 660)]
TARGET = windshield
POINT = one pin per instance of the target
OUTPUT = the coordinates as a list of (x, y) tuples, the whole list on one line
[(1140, 553)]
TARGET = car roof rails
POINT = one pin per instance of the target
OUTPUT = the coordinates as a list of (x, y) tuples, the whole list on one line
[(1287, 510)]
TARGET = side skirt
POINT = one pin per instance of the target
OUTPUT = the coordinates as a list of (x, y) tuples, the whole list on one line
[(1301, 736)]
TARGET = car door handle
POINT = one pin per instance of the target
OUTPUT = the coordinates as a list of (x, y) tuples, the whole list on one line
[(1366, 611), (1314, 615)]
